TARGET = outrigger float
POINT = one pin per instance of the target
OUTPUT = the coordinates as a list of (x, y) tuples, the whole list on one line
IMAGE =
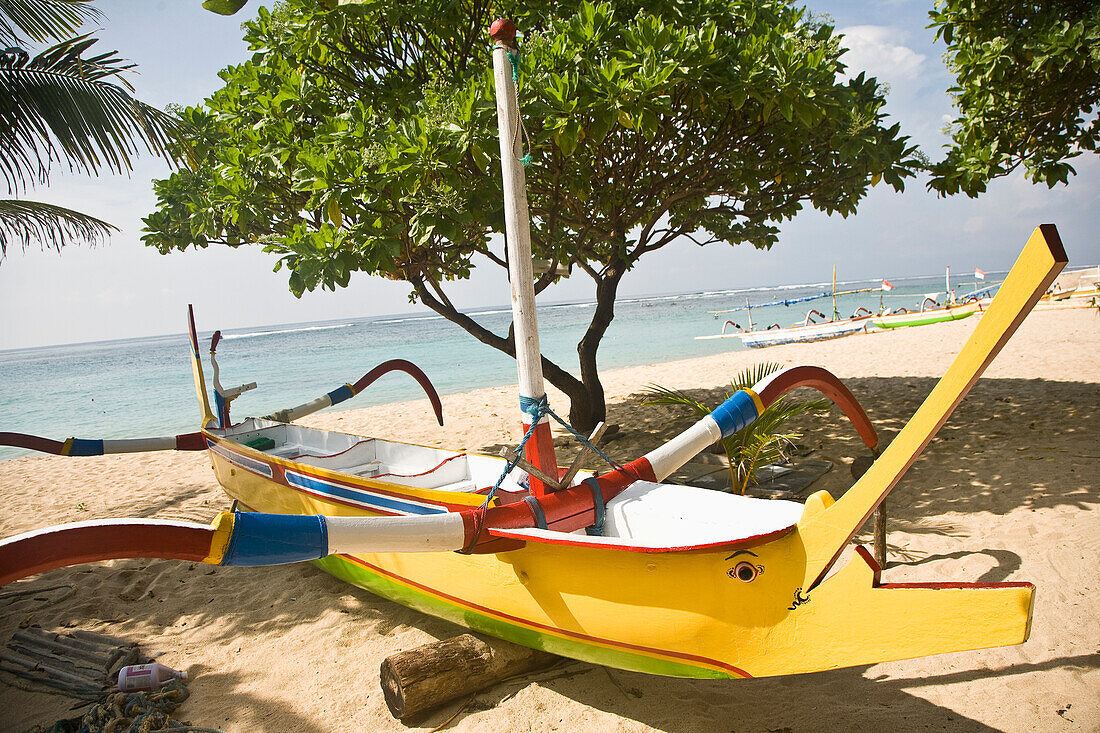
[(617, 569)]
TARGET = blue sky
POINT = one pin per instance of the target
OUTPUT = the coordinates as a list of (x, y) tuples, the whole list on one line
[(125, 290)]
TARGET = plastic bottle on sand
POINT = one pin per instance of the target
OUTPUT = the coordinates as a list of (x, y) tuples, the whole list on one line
[(146, 677)]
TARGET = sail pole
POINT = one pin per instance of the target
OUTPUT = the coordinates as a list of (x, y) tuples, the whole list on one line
[(836, 313), (539, 449)]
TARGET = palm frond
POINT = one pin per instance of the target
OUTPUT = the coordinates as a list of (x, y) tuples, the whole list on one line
[(655, 394), (32, 222), (756, 445), (749, 376), (63, 106), (43, 20)]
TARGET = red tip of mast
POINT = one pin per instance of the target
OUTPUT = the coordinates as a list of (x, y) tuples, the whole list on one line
[(503, 31)]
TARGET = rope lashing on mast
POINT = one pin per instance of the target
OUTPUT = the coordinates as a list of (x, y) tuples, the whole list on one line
[(513, 58), (538, 409)]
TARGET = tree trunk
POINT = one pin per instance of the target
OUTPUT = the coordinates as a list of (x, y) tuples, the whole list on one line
[(586, 396), (593, 410)]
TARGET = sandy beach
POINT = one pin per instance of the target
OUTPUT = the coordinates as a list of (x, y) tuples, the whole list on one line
[(1008, 490)]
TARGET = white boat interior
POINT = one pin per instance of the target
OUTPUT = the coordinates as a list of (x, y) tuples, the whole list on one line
[(415, 466), (645, 515)]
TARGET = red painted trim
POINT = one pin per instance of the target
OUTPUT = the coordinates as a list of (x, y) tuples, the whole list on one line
[(278, 476), (866, 556), (331, 455), (545, 627), (190, 441), (829, 385), (942, 586), (64, 546), (572, 540), (31, 442)]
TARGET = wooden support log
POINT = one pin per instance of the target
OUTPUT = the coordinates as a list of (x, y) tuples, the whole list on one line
[(517, 460), (421, 679), (859, 467), (880, 535)]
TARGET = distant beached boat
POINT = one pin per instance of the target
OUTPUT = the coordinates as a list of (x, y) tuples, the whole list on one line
[(940, 314), (803, 332)]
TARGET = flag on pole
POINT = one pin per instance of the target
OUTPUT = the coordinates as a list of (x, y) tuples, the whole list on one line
[(887, 286), (979, 274)]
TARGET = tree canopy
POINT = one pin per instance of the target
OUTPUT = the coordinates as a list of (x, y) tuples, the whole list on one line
[(1028, 87), (68, 105), (364, 139)]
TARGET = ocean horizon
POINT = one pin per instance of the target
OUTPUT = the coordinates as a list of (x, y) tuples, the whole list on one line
[(139, 387)]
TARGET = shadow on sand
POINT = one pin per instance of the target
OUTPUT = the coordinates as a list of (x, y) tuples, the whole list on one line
[(1052, 468)]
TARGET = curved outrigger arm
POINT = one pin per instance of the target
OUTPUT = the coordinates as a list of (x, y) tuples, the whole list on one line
[(87, 447), (347, 391), (344, 392)]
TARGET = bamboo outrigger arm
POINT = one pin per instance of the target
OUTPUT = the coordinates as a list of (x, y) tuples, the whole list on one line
[(347, 391), (79, 447)]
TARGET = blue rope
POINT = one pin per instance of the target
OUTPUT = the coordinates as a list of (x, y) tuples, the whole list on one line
[(536, 409), (513, 57)]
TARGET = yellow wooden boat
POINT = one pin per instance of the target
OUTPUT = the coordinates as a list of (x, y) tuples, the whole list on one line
[(618, 569)]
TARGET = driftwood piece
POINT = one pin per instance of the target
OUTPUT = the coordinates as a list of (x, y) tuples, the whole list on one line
[(80, 663), (57, 644), (421, 679), (54, 672)]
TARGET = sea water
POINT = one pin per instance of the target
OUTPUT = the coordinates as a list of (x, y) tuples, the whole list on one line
[(143, 387)]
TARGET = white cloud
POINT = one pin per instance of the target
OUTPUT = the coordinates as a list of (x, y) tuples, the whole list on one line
[(879, 51)]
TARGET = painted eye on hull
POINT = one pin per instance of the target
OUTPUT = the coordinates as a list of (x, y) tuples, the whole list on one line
[(746, 572)]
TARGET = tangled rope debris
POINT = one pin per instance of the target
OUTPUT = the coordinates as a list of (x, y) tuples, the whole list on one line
[(133, 712)]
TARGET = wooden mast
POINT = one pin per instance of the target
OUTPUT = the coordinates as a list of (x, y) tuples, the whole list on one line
[(540, 447)]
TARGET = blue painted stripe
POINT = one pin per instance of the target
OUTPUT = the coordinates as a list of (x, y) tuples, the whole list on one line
[(84, 447), (735, 413), (340, 394), (275, 539), (244, 462), (358, 496)]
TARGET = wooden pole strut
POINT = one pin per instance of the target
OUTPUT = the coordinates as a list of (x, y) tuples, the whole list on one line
[(575, 466), (531, 470), (540, 447)]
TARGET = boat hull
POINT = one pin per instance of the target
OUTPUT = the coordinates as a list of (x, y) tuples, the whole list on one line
[(548, 597), (802, 334), (675, 611), (925, 318)]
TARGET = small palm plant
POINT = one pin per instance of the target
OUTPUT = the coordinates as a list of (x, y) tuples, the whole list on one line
[(761, 443)]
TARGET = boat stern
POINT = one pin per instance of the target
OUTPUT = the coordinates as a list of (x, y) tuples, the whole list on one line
[(852, 618), (208, 419)]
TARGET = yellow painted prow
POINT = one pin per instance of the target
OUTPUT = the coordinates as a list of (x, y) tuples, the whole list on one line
[(826, 529)]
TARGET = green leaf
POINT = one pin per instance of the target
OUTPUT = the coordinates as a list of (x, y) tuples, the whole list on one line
[(332, 211)]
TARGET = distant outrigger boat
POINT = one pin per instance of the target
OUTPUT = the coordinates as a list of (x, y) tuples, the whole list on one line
[(617, 569), (940, 314), (808, 331)]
